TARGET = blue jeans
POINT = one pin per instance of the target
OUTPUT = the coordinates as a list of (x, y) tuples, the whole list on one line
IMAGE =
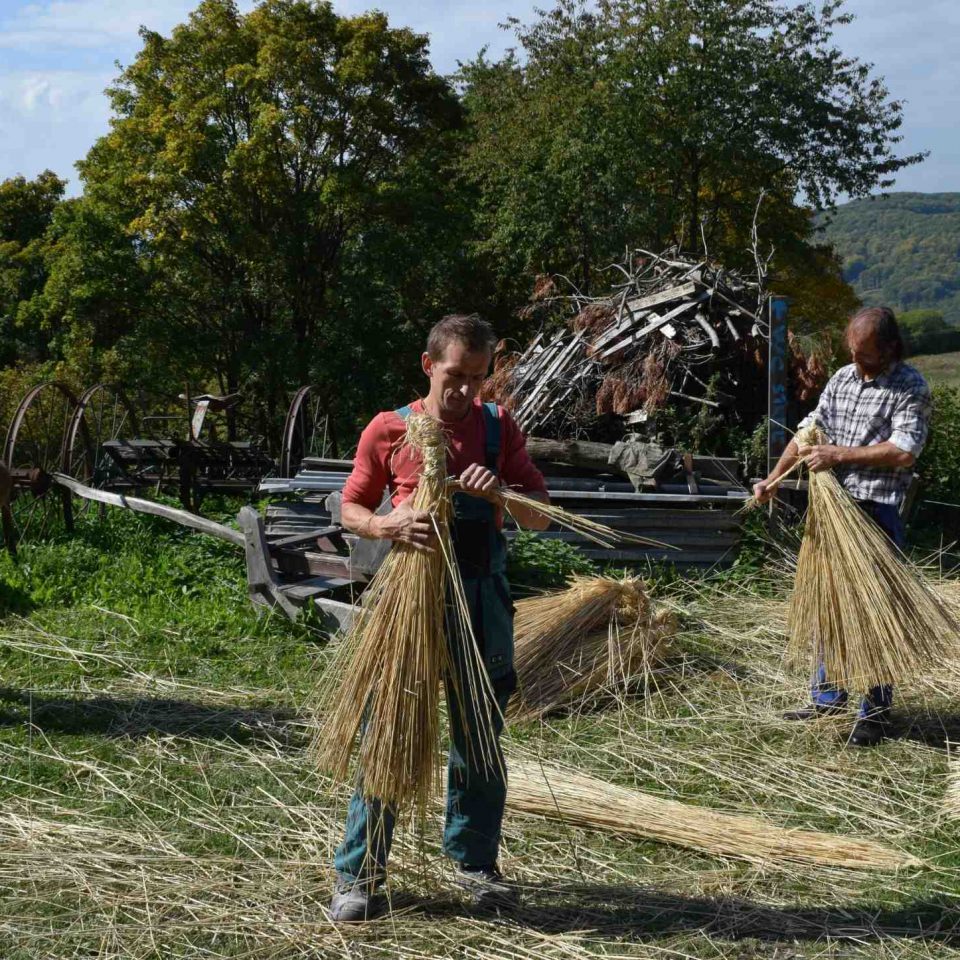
[(474, 813), (879, 699)]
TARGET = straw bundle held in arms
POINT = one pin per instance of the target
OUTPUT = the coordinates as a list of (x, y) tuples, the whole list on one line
[(581, 801), (856, 604), (413, 630), (596, 634)]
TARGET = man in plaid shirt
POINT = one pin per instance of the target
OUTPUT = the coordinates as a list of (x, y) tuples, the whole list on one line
[(876, 413)]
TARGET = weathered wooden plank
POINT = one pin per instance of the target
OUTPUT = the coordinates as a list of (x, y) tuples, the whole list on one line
[(299, 539), (693, 519), (651, 327), (336, 617), (139, 505), (308, 589), (664, 296), (638, 310)]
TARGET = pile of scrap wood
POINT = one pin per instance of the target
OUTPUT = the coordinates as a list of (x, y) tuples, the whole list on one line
[(675, 330)]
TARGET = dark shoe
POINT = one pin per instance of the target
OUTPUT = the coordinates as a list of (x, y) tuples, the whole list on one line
[(814, 712), (355, 901), (487, 888), (868, 732)]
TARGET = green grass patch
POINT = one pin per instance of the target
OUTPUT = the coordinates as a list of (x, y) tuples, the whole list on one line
[(939, 368), (159, 800)]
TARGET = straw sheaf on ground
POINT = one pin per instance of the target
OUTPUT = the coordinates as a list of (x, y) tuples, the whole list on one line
[(127, 832), (599, 634)]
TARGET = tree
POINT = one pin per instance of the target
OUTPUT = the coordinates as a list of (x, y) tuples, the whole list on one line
[(27, 208), (247, 155), (96, 304), (663, 120)]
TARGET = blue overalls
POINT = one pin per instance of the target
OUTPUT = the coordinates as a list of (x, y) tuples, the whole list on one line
[(475, 797), (879, 699)]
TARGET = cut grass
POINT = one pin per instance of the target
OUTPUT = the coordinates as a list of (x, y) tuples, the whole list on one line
[(157, 798)]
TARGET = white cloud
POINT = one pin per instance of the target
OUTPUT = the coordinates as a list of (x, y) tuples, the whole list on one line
[(49, 119), (90, 24), (58, 56)]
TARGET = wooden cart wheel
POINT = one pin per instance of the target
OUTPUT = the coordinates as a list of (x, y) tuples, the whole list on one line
[(102, 414), (306, 432), (35, 442)]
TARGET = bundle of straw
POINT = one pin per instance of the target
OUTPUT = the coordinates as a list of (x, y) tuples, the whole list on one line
[(597, 532), (387, 675), (856, 605), (581, 801), (596, 634)]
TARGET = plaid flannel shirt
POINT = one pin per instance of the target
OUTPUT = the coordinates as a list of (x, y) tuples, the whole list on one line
[(854, 412)]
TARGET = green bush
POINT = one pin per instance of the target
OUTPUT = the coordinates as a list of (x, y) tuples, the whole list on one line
[(536, 563), (939, 464)]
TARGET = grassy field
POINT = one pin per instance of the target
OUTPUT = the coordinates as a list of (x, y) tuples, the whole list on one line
[(158, 798), (939, 368)]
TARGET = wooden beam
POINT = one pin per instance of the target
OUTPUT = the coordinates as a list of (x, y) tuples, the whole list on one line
[(139, 505)]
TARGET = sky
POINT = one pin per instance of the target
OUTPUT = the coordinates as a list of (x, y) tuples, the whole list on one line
[(57, 56)]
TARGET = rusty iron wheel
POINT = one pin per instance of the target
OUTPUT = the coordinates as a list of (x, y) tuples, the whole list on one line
[(306, 431), (103, 414), (33, 451)]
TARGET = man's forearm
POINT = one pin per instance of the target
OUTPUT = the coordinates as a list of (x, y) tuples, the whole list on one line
[(884, 454), (360, 520), (787, 459)]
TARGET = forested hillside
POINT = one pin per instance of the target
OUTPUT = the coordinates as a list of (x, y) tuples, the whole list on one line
[(902, 250)]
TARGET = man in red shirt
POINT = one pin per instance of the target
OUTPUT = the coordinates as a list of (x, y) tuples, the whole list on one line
[(487, 449)]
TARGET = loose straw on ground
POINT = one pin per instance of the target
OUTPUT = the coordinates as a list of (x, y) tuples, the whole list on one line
[(413, 630), (572, 798), (951, 800), (856, 605), (598, 633)]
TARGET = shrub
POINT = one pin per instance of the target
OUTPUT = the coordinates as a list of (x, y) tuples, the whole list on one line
[(939, 464), (538, 563)]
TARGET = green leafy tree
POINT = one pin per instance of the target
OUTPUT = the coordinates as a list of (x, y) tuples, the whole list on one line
[(26, 211), (94, 307), (663, 120), (247, 155)]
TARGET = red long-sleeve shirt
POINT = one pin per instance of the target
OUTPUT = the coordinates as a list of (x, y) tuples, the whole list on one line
[(380, 463)]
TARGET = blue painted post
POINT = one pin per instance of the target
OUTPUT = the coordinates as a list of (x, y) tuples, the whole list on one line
[(777, 371), (777, 395)]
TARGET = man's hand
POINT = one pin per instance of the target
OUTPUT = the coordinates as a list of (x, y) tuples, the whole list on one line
[(404, 524), (480, 482), (825, 456), (763, 491)]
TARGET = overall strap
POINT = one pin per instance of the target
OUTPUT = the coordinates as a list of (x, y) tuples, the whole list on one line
[(491, 421), (403, 412)]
